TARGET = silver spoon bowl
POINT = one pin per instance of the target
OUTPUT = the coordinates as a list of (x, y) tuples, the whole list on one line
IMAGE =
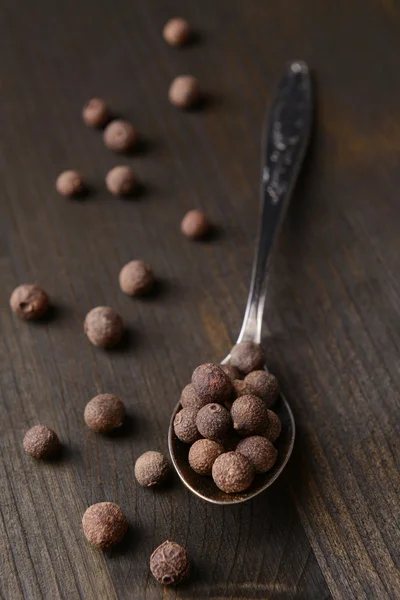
[(284, 143)]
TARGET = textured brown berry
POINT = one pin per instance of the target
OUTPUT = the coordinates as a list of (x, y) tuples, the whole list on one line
[(233, 372), (213, 421), (240, 388), (211, 383), (249, 415), (104, 524), (195, 225), (203, 454), (151, 468), (136, 278), (184, 91), (185, 425), (95, 113), (29, 302), (121, 181), (70, 183), (274, 427), (103, 326), (260, 452), (120, 136), (41, 442), (176, 32), (264, 385), (169, 563), (104, 413), (232, 472), (247, 356), (189, 398)]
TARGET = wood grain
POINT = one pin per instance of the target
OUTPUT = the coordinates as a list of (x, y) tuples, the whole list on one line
[(329, 527)]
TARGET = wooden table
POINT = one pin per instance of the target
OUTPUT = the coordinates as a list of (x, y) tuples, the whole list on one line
[(328, 528)]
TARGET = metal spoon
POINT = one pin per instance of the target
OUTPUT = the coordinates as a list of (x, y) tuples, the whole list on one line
[(284, 144)]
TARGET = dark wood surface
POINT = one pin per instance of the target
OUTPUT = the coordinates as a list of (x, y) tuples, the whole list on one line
[(328, 528)]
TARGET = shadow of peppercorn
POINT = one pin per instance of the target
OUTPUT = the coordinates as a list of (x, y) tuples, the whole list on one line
[(128, 428), (130, 339), (55, 312), (127, 546)]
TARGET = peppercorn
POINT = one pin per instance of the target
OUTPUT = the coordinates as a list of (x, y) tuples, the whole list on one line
[(104, 412), (176, 32), (184, 91), (195, 225), (232, 472), (185, 425), (233, 372), (249, 415), (70, 183), (41, 442), (169, 563), (151, 468), (120, 136), (213, 422), (203, 454), (260, 452), (247, 356), (240, 388), (274, 427), (28, 301), (264, 385), (95, 113), (121, 181), (136, 278), (103, 326), (211, 383), (190, 398), (104, 524)]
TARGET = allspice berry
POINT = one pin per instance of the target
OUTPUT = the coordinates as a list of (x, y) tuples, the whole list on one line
[(233, 372), (41, 442), (136, 278), (151, 468), (264, 385), (176, 32), (185, 425), (104, 413), (232, 472), (240, 388), (70, 183), (213, 422), (121, 181), (189, 398), (95, 113), (202, 455), (120, 136), (249, 415), (211, 383), (274, 427), (28, 301), (195, 225), (184, 91), (260, 452), (103, 326), (247, 356), (104, 524), (169, 563)]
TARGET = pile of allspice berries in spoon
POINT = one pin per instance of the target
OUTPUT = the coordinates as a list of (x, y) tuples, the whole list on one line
[(226, 418)]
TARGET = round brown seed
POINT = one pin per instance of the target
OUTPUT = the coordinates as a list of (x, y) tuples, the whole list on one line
[(120, 136), (274, 427), (211, 383), (240, 388), (247, 356), (136, 278), (176, 32), (213, 422), (28, 301), (184, 91), (249, 415), (104, 524), (264, 385), (169, 563), (232, 472), (70, 183), (189, 398), (95, 113), (260, 452), (121, 181), (151, 468), (103, 326), (203, 454), (195, 225), (41, 442), (185, 425), (104, 413)]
